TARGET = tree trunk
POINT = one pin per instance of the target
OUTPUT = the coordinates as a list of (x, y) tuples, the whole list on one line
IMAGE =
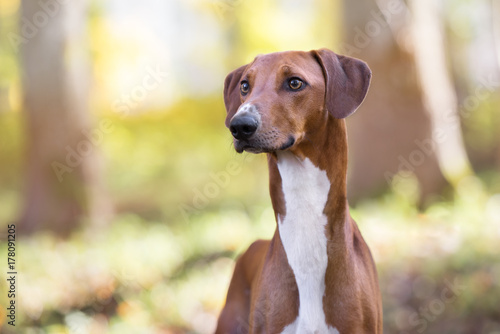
[(438, 91), (391, 133), (495, 4), (61, 175)]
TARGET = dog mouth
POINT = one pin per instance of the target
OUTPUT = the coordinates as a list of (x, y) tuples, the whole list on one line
[(289, 143), (253, 146)]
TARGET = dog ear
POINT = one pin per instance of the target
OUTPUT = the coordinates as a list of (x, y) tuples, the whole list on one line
[(347, 80), (232, 99)]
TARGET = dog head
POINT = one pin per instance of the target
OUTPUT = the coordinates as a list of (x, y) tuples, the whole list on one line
[(275, 101)]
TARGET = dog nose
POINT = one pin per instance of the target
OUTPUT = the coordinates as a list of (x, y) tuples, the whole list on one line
[(243, 127)]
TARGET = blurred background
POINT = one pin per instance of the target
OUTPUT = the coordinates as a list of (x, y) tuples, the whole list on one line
[(131, 205)]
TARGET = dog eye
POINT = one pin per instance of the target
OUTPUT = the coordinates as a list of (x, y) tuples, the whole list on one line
[(244, 87), (295, 83)]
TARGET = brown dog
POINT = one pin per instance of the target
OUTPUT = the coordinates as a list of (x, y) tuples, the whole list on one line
[(316, 275)]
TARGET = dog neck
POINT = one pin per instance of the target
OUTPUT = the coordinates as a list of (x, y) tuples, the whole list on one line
[(308, 191), (326, 150)]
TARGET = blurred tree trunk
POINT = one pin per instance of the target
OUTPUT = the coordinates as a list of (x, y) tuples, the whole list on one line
[(60, 180), (495, 4), (392, 131), (496, 27), (438, 90)]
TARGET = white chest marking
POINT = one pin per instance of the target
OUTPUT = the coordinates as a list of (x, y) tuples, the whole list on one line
[(302, 233)]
